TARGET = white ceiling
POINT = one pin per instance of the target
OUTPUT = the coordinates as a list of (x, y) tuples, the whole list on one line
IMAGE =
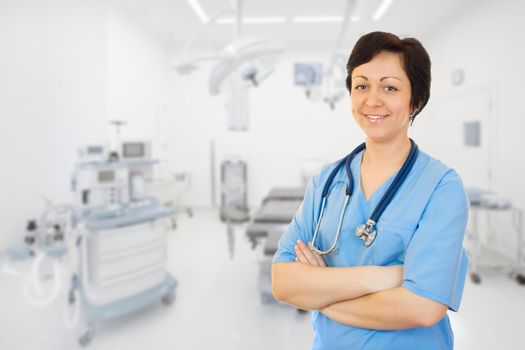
[(176, 22)]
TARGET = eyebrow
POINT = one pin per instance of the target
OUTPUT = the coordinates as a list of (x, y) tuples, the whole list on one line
[(383, 78)]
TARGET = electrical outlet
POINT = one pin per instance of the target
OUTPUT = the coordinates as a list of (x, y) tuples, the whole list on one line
[(180, 177)]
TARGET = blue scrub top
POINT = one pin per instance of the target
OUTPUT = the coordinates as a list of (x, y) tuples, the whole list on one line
[(422, 228)]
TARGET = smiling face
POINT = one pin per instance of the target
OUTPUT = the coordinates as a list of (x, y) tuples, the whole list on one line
[(380, 98)]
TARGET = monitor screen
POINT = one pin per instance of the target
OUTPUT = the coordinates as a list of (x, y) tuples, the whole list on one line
[(308, 74), (472, 134), (95, 150), (106, 176), (133, 150)]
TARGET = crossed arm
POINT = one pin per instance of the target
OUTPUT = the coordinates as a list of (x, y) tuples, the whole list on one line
[(362, 296)]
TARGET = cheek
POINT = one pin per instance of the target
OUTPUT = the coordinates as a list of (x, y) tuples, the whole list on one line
[(355, 112), (400, 106), (355, 103)]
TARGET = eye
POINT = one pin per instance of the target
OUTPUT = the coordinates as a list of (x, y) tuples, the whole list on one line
[(391, 88), (360, 87)]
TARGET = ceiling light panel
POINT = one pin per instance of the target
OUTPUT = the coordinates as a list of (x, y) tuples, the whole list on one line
[(254, 20), (381, 10), (317, 19), (199, 10)]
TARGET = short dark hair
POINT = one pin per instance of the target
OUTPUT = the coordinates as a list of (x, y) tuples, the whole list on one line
[(416, 63)]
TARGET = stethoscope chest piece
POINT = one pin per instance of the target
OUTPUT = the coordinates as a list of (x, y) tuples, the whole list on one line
[(367, 232)]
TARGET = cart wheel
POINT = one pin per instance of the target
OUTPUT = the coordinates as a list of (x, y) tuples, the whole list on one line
[(86, 338), (520, 279), (168, 299), (475, 278)]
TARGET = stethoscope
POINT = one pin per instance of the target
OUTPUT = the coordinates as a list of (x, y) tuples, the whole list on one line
[(367, 232)]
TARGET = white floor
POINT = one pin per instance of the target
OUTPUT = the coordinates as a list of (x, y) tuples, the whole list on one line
[(218, 306)]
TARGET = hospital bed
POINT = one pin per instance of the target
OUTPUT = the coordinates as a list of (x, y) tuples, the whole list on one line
[(267, 226), (274, 215), (276, 212), (484, 236), (265, 266), (285, 194)]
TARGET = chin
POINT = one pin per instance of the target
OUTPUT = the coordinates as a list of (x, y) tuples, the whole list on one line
[(378, 137)]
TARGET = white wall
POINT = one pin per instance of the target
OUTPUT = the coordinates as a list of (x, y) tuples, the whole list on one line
[(52, 98), (192, 133), (486, 42), (138, 78), (143, 91)]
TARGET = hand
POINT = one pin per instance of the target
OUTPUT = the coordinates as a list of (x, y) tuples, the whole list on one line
[(305, 255)]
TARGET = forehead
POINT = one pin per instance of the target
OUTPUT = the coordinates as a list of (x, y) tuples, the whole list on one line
[(384, 64)]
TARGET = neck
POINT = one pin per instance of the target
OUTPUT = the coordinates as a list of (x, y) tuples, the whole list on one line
[(392, 153)]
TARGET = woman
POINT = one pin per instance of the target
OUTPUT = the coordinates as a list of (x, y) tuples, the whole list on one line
[(390, 287)]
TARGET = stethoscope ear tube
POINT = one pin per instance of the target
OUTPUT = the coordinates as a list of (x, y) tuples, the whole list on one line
[(314, 248), (333, 248), (346, 161), (396, 184), (367, 232)]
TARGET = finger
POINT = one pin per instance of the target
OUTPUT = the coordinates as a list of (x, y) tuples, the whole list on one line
[(300, 256), (318, 257), (307, 253), (320, 260)]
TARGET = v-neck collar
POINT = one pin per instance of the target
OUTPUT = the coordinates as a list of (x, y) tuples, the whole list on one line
[(378, 193)]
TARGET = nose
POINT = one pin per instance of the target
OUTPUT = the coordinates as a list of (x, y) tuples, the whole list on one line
[(373, 99)]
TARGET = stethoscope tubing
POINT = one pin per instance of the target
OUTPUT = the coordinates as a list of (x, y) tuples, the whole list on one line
[(380, 208), (396, 184)]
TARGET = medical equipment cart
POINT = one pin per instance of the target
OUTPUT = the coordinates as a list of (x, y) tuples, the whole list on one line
[(234, 186), (482, 238), (121, 232), (123, 264)]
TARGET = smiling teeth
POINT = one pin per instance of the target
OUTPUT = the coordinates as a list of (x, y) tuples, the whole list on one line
[(375, 116)]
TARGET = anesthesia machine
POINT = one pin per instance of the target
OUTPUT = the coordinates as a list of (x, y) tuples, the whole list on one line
[(108, 248)]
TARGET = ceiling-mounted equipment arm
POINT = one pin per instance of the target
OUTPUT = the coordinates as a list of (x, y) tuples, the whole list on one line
[(351, 7), (237, 8), (187, 64), (247, 62)]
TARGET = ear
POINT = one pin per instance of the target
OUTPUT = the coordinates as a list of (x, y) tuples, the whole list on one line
[(412, 116)]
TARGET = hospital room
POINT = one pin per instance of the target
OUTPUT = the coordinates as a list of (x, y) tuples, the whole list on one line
[(248, 174)]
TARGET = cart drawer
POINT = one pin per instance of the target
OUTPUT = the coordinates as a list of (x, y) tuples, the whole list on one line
[(130, 264), (121, 239)]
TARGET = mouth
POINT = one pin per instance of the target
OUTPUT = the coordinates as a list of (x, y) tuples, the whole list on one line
[(375, 118)]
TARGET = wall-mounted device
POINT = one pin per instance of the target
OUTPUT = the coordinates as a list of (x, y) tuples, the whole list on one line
[(134, 150), (93, 153)]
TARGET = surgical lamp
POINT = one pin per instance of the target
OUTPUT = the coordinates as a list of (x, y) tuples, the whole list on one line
[(246, 63), (240, 65)]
